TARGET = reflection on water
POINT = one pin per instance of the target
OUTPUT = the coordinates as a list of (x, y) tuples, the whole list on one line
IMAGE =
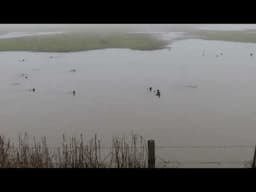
[(202, 99)]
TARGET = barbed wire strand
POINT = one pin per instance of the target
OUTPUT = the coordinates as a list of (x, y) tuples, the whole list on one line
[(203, 162), (182, 146)]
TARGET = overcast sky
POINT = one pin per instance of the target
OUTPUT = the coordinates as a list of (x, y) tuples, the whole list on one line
[(124, 27)]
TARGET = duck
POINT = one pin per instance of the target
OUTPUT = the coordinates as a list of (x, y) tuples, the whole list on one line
[(158, 93)]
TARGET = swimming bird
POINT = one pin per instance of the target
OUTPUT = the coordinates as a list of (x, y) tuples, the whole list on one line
[(73, 92), (33, 89), (251, 54), (150, 89), (158, 93)]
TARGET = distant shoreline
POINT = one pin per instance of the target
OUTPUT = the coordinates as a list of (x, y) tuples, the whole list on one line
[(66, 42), (243, 36), (78, 41)]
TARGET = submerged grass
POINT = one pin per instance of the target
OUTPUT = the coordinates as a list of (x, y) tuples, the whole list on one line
[(82, 41), (71, 41), (73, 153), (246, 36)]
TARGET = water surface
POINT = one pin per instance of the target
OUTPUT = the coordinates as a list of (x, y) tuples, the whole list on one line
[(206, 98)]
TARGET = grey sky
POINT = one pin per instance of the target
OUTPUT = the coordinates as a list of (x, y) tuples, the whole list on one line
[(122, 27)]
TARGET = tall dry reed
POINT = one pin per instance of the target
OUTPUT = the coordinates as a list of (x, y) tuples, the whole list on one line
[(73, 153)]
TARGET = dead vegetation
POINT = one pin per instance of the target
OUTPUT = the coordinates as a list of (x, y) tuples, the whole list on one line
[(73, 153)]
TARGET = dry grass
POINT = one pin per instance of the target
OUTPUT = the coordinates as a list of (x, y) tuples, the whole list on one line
[(125, 155), (73, 153)]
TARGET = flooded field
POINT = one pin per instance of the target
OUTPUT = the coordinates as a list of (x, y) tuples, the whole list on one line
[(207, 97)]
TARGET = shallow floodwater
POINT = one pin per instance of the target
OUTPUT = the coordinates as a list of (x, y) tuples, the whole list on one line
[(205, 99)]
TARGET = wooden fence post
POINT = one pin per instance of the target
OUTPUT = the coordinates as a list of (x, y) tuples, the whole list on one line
[(254, 159), (151, 154)]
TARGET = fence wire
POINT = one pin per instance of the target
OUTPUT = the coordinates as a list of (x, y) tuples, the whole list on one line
[(162, 162), (165, 162)]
